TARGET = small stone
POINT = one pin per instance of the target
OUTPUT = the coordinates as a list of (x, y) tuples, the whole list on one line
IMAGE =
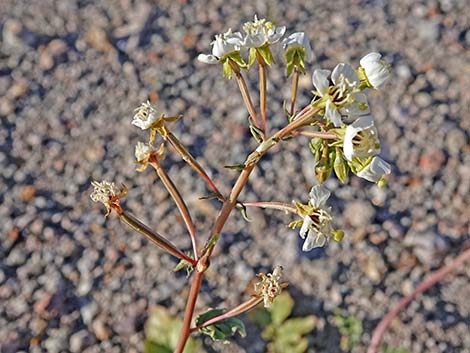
[(359, 214), (27, 193), (100, 330), (431, 161), (455, 141), (80, 340)]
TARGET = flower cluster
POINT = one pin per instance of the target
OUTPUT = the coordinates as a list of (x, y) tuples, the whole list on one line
[(341, 96), (270, 286), (257, 39), (316, 224)]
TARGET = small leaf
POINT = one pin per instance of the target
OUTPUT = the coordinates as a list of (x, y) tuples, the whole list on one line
[(281, 308), (221, 329), (242, 208), (183, 264), (296, 327), (315, 144), (152, 347), (238, 167), (260, 316), (257, 133), (213, 196)]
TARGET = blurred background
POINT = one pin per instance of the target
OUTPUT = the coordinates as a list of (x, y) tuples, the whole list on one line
[(71, 73)]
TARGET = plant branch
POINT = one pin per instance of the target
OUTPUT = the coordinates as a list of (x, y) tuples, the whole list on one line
[(295, 85), (281, 206), (180, 204), (189, 311), (303, 118), (320, 134), (262, 91), (154, 237), (245, 93), (188, 158), (423, 286), (242, 308)]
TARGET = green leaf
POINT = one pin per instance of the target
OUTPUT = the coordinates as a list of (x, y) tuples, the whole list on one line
[(213, 196), (279, 346), (260, 316), (257, 133), (281, 308), (162, 332), (183, 264), (235, 56), (238, 167), (242, 208), (297, 327), (223, 329)]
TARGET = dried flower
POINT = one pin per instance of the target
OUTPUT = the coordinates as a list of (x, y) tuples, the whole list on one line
[(270, 287), (146, 116), (143, 152), (107, 193)]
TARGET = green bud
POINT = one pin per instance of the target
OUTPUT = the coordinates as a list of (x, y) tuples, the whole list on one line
[(323, 171), (341, 167), (338, 235), (315, 144)]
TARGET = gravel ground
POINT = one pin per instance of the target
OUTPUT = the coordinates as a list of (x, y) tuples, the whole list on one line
[(71, 73)]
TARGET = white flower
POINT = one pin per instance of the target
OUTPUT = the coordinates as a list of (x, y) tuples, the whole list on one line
[(377, 71), (344, 96), (223, 45), (316, 227), (298, 40), (375, 170), (361, 139), (146, 116), (262, 32)]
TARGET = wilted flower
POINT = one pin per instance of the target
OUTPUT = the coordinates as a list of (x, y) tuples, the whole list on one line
[(143, 152), (107, 193), (344, 96), (377, 71), (361, 139), (375, 170), (261, 32), (316, 227), (297, 50), (298, 40), (269, 287), (223, 45), (146, 116)]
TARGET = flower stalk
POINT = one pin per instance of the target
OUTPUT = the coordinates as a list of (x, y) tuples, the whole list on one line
[(244, 92), (295, 85), (262, 91), (180, 204)]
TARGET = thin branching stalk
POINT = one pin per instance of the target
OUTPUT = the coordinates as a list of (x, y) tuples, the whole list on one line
[(423, 286), (305, 117), (281, 206), (188, 158), (245, 93), (319, 134), (295, 85), (179, 202), (242, 308), (154, 237), (262, 92)]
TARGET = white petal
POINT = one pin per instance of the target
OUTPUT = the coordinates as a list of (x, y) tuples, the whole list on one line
[(359, 107), (320, 81), (208, 59), (255, 40), (313, 241), (304, 229), (347, 71), (375, 170), (277, 34), (332, 114), (318, 195), (371, 57)]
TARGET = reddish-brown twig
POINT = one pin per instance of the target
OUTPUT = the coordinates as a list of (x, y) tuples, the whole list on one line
[(426, 284)]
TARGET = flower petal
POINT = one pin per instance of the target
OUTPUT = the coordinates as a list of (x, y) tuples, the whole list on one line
[(313, 241), (347, 71), (375, 170), (318, 196), (331, 113), (305, 226), (208, 59), (276, 34), (320, 81)]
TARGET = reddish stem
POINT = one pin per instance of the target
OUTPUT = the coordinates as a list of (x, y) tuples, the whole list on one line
[(426, 284)]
